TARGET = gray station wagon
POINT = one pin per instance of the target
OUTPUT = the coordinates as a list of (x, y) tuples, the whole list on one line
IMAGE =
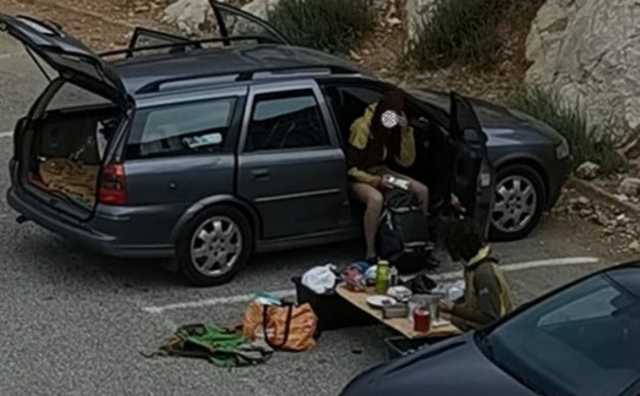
[(209, 150)]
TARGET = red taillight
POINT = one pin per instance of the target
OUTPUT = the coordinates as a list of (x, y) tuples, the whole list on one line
[(113, 185)]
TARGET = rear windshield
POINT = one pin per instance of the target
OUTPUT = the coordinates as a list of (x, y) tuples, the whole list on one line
[(183, 129), (71, 95)]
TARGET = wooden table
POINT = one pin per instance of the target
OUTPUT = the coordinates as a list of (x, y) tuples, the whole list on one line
[(402, 325)]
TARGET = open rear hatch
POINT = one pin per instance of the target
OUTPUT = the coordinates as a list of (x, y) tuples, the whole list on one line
[(68, 56), (60, 149)]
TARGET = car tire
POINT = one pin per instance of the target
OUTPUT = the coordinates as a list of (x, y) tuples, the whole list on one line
[(519, 202), (214, 246)]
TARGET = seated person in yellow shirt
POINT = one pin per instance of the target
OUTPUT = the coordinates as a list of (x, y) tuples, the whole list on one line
[(380, 136)]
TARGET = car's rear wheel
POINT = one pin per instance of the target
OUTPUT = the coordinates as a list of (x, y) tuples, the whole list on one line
[(519, 202), (214, 246)]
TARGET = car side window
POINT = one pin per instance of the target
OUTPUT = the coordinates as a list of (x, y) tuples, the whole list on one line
[(286, 120), (361, 96), (182, 129), (349, 103)]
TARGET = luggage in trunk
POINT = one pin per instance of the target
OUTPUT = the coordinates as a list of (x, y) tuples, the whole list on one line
[(67, 151), (71, 178)]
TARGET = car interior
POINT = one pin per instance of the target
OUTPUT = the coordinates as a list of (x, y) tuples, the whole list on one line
[(68, 145), (285, 122), (433, 164)]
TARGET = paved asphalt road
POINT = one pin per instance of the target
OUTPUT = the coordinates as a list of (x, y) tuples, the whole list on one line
[(75, 323)]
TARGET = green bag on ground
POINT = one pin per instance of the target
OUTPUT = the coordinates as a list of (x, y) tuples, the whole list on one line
[(222, 347)]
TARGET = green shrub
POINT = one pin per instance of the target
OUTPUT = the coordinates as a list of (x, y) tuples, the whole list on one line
[(459, 31), (587, 144), (328, 25)]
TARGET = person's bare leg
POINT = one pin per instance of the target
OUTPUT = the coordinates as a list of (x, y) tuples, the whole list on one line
[(373, 200), (422, 192)]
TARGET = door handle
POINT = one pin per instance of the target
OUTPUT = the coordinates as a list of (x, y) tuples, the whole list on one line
[(260, 174)]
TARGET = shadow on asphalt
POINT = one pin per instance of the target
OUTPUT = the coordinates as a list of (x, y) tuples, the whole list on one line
[(154, 273)]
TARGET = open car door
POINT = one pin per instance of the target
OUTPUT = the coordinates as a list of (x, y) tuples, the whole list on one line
[(474, 181), (231, 25), (147, 41), (69, 57), (234, 24), (146, 38)]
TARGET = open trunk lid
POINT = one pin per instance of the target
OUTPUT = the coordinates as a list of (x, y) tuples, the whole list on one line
[(68, 56), (76, 65)]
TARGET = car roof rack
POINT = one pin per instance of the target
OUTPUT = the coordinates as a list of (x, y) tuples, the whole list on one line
[(252, 75), (221, 11), (130, 52)]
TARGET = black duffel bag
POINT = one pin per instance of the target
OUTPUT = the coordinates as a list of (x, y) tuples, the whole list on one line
[(403, 234)]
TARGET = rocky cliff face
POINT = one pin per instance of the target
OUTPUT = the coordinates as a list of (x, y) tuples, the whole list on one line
[(415, 11), (589, 50), (190, 16)]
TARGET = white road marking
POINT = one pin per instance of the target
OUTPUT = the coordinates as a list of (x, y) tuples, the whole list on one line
[(10, 54), (556, 262), (243, 298), (6, 134), (447, 276)]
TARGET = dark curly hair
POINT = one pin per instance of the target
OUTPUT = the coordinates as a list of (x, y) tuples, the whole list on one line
[(393, 100), (463, 241)]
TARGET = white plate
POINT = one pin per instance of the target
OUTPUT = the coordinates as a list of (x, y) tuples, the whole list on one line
[(380, 301), (440, 323)]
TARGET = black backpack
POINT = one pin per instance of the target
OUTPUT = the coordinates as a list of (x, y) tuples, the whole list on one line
[(403, 234)]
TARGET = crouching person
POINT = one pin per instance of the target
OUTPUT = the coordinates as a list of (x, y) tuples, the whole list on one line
[(487, 297)]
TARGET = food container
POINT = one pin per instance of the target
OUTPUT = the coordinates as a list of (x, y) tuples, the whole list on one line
[(395, 311), (397, 182), (400, 293)]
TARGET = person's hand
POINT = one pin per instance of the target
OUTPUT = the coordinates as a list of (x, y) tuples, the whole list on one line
[(403, 120), (457, 205), (386, 184), (378, 183), (446, 306)]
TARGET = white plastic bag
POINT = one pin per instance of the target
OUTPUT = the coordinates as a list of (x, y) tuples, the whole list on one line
[(451, 290), (320, 279)]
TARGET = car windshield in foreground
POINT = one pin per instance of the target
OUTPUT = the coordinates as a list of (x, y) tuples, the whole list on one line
[(581, 341)]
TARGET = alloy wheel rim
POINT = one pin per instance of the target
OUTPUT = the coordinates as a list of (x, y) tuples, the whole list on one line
[(515, 205), (216, 246)]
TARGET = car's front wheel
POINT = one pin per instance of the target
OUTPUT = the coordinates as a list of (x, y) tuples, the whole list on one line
[(519, 202), (214, 246)]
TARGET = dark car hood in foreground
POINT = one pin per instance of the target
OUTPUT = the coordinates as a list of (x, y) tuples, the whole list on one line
[(452, 368)]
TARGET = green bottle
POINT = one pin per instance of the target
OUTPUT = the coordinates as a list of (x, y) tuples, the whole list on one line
[(382, 277)]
